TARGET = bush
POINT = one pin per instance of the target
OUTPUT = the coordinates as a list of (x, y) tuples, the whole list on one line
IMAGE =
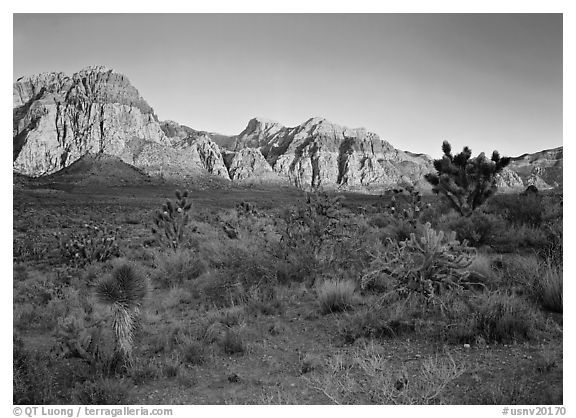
[(547, 288), (335, 295), (424, 266), (521, 237), (92, 244), (220, 289), (521, 209), (501, 317), (101, 391), (379, 322), (478, 229), (232, 342), (193, 352), (33, 381), (178, 267)]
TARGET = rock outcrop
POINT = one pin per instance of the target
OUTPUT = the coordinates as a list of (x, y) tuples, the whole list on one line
[(249, 165), (319, 153), (508, 180), (542, 169), (58, 119)]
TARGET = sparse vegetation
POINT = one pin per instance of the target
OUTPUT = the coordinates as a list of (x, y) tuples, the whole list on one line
[(320, 299)]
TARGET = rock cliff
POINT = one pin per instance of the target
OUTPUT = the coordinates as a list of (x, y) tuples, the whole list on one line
[(58, 119), (319, 153)]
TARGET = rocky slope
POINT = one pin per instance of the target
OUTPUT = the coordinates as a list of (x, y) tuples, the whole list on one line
[(58, 119), (542, 169), (319, 153)]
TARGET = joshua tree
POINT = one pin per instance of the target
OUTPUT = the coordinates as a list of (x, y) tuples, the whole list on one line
[(466, 182), (124, 291), (171, 221)]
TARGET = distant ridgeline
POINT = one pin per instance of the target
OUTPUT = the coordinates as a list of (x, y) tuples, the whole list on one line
[(57, 119)]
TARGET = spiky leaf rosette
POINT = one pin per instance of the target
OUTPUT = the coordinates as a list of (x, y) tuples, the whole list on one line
[(124, 291)]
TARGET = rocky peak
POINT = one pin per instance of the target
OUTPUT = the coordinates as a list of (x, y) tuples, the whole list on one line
[(27, 88), (95, 84), (257, 133)]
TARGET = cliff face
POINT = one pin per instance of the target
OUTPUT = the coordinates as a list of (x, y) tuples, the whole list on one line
[(319, 153), (542, 169), (57, 119)]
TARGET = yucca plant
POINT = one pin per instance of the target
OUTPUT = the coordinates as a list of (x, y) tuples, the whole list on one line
[(172, 220), (124, 291)]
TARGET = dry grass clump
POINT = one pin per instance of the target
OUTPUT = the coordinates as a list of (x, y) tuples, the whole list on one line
[(177, 267), (335, 295), (370, 377), (548, 288)]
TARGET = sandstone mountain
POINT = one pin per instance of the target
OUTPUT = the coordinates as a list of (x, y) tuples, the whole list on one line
[(58, 119), (542, 169), (318, 153)]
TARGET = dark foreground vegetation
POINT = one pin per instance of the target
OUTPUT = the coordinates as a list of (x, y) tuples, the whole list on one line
[(258, 297)]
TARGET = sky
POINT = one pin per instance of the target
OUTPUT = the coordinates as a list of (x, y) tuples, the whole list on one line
[(488, 81)]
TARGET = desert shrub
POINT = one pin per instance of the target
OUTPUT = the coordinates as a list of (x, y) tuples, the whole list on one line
[(426, 265), (102, 391), (518, 271), (77, 338), (525, 209), (92, 244), (521, 237), (178, 267), (406, 205), (377, 322), (172, 367), (465, 182), (39, 301), (367, 375), (220, 289), (547, 287), (335, 295), (171, 221), (502, 317), (28, 249), (478, 229), (193, 352), (553, 250), (232, 343), (33, 380), (482, 271), (380, 220), (308, 233), (145, 372)]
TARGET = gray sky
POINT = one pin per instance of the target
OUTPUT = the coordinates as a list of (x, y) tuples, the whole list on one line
[(485, 80)]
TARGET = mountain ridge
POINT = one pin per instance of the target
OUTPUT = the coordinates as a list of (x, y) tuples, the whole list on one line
[(57, 119)]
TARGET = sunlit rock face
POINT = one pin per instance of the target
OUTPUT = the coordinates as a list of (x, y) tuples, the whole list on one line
[(57, 119), (319, 153)]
